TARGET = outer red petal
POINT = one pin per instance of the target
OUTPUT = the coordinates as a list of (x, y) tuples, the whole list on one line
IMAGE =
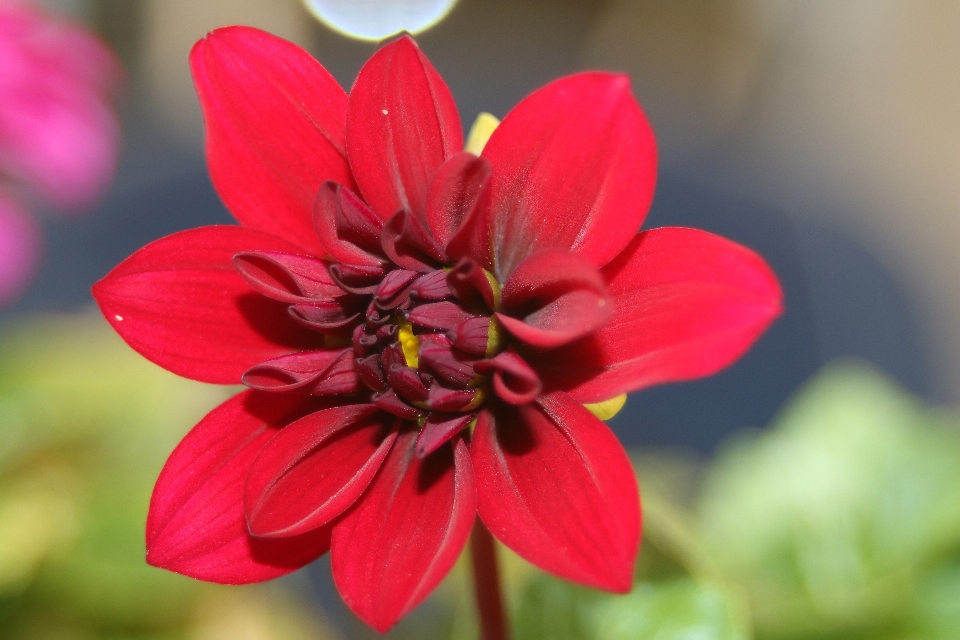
[(196, 524), (315, 469), (554, 485), (686, 304), (181, 303), (275, 129), (402, 124), (574, 165), (406, 531)]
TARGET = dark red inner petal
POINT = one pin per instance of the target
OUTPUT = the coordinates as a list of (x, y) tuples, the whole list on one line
[(286, 277), (356, 279), (438, 315), (554, 297), (438, 429), (408, 243), (346, 227), (327, 317), (469, 282), (315, 372), (514, 380)]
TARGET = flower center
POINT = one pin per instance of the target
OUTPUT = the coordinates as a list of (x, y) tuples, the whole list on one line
[(409, 343), (421, 338)]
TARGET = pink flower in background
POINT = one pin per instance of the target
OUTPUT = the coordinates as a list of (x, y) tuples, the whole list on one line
[(19, 248), (59, 132)]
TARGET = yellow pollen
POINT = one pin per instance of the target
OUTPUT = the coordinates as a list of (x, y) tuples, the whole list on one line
[(409, 343), (606, 409)]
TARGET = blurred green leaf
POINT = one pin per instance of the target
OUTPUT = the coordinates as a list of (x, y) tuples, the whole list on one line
[(832, 516), (676, 610), (552, 609)]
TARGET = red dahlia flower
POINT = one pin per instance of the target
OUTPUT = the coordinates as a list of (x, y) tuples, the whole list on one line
[(419, 327)]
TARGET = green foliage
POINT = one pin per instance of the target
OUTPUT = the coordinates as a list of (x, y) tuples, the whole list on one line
[(678, 609), (838, 517)]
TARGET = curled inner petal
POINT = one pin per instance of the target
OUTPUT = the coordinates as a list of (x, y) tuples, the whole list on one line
[(346, 227), (553, 298), (409, 244), (286, 277), (514, 380)]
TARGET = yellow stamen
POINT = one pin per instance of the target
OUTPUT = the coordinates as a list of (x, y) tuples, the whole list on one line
[(495, 286), (409, 343), (606, 409), (478, 397), (495, 338), (480, 132)]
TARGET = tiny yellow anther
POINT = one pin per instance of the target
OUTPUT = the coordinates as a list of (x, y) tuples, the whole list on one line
[(409, 343), (480, 132), (606, 409)]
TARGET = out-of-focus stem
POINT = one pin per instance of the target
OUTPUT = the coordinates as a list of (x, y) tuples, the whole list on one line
[(486, 577)]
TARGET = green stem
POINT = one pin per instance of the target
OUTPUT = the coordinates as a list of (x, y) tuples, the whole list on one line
[(486, 578)]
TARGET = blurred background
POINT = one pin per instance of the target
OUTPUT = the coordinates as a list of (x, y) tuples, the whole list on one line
[(825, 134)]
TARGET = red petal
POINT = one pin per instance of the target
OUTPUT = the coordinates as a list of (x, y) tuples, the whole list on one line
[(406, 532), (473, 336), (391, 403), (408, 243), (347, 228), (327, 372), (554, 297), (287, 277), (333, 317), (432, 286), (455, 192), (402, 124), (470, 284), (449, 365), (315, 469), (438, 315), (196, 524), (686, 304), (438, 429), (574, 166), (275, 129), (554, 485), (514, 380), (180, 303), (394, 289)]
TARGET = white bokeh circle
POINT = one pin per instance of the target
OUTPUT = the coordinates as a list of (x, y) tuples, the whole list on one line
[(377, 19)]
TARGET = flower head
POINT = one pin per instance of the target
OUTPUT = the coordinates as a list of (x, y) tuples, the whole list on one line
[(419, 326)]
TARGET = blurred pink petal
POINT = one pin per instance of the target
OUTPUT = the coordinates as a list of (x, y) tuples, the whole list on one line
[(19, 250), (59, 133)]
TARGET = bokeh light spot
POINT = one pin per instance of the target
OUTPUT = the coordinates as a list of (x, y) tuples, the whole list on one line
[(377, 19)]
